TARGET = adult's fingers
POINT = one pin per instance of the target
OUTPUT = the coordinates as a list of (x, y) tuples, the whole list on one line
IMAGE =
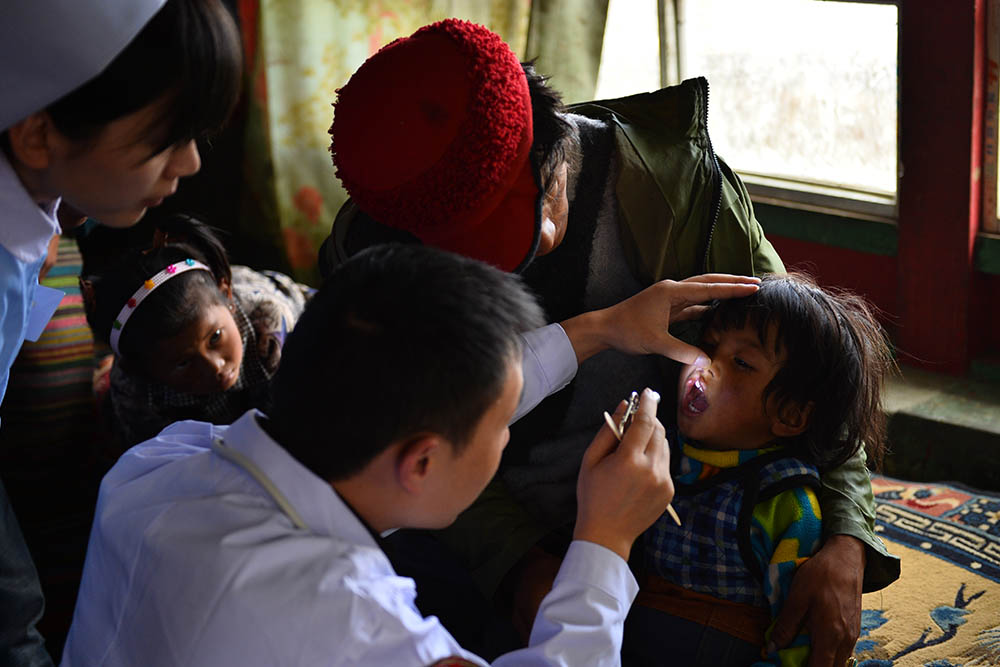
[(678, 350), (690, 292), (830, 646), (604, 442), (789, 621), (844, 652), (658, 450), (688, 313), (722, 278), (824, 651), (637, 436)]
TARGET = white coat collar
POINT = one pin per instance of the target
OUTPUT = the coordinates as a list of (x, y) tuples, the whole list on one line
[(323, 511), (26, 227)]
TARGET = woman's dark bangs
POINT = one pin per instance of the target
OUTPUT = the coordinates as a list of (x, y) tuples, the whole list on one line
[(210, 74), (207, 77), (135, 79), (189, 56)]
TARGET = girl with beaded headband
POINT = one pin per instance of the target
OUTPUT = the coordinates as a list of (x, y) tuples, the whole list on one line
[(193, 337)]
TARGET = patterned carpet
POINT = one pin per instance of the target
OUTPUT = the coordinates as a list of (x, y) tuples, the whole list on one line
[(945, 609)]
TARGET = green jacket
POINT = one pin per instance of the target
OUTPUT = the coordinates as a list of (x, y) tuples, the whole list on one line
[(683, 211)]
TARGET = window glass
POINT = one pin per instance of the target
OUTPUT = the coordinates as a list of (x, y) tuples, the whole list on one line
[(630, 60), (799, 89)]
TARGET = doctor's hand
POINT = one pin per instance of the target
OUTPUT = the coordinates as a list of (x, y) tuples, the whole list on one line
[(624, 487), (639, 324)]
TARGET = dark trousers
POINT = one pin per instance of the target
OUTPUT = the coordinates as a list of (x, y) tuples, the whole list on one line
[(653, 638), (21, 601)]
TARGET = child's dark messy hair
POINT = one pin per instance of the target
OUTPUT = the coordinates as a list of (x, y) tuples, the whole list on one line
[(173, 305), (836, 359)]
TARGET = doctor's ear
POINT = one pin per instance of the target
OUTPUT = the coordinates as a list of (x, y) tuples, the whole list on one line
[(417, 458), (31, 140)]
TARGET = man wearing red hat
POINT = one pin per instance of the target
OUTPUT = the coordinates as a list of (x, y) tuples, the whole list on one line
[(446, 139)]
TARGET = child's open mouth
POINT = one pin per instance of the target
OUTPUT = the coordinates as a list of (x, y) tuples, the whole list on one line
[(694, 402)]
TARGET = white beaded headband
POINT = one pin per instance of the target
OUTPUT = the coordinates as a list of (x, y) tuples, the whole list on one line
[(147, 287)]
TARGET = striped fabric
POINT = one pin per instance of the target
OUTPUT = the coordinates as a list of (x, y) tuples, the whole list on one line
[(48, 411), (48, 458)]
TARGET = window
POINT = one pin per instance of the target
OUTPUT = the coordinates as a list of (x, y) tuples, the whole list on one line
[(631, 53), (803, 93)]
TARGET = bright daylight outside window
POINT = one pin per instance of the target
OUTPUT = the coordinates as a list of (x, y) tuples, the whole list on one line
[(803, 93)]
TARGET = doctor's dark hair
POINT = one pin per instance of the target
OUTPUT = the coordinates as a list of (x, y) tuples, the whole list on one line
[(173, 305), (401, 340), (837, 357), (190, 52)]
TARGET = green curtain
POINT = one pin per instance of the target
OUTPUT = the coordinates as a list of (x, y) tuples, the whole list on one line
[(300, 51), (565, 39)]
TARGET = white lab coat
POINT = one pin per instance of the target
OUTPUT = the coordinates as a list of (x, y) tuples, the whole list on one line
[(191, 562)]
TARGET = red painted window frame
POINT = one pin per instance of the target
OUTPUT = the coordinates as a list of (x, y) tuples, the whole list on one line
[(942, 52)]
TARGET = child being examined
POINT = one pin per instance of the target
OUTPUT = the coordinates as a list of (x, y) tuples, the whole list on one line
[(792, 390), (193, 337)]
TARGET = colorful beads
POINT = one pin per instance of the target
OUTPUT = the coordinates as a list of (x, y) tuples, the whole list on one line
[(148, 286)]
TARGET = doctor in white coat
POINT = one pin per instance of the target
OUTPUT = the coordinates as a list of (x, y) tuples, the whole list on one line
[(259, 543)]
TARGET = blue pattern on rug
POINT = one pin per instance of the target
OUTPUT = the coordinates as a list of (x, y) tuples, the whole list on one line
[(955, 524)]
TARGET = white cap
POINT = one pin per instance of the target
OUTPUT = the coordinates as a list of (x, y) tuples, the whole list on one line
[(51, 47)]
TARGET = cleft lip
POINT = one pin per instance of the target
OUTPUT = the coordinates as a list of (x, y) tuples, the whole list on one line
[(695, 401)]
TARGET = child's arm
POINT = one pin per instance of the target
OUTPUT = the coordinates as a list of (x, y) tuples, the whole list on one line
[(784, 532)]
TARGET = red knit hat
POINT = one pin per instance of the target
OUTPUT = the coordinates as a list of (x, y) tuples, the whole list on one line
[(432, 134)]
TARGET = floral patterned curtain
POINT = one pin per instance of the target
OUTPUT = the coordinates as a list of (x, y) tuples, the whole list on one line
[(300, 51)]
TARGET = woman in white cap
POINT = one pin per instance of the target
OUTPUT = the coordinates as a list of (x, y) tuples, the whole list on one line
[(102, 103)]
